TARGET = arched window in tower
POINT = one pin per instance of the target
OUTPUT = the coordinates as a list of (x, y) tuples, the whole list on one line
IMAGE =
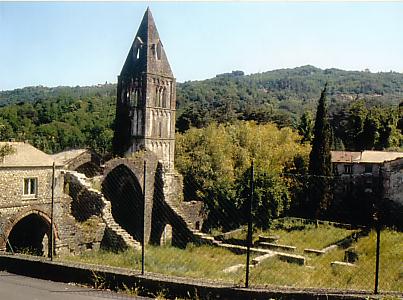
[(122, 96), (160, 129), (138, 43), (138, 96), (159, 50), (134, 97), (157, 96), (164, 98)]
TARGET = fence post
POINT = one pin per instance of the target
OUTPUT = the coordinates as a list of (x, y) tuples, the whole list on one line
[(378, 250), (144, 217), (51, 213), (249, 236), (379, 219)]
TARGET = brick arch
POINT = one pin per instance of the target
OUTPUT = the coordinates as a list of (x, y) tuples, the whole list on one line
[(11, 222)]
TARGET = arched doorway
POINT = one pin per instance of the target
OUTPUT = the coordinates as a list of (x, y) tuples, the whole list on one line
[(123, 190), (30, 235), (166, 236)]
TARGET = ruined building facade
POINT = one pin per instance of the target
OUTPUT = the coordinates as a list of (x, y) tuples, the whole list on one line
[(135, 197), (146, 98), (145, 134)]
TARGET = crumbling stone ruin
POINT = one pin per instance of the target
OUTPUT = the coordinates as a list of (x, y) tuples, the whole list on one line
[(107, 204)]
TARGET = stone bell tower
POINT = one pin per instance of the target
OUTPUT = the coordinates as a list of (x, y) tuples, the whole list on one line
[(146, 97)]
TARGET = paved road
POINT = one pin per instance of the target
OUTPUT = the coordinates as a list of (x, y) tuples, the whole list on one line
[(15, 287)]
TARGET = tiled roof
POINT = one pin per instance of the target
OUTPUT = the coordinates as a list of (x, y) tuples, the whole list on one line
[(379, 156), (366, 156), (345, 156), (26, 155), (66, 156)]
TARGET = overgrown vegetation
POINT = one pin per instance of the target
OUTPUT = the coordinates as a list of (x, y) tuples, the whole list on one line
[(56, 119), (5, 150), (319, 273), (216, 161), (208, 263)]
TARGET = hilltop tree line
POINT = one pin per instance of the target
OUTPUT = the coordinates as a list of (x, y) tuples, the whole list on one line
[(61, 118), (363, 108)]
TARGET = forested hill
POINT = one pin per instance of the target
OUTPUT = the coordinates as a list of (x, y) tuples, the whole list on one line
[(57, 118), (284, 93)]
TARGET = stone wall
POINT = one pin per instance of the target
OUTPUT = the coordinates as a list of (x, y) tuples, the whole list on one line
[(393, 180), (12, 184), (70, 236), (393, 193)]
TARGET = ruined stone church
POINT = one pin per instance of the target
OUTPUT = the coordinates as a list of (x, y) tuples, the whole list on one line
[(135, 197)]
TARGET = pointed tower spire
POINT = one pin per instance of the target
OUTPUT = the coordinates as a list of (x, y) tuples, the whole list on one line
[(146, 97), (147, 52)]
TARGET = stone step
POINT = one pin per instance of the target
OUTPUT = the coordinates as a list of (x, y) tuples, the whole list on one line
[(273, 246), (106, 212), (314, 251)]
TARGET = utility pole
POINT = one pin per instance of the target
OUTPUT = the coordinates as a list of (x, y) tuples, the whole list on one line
[(51, 213), (249, 237), (144, 217)]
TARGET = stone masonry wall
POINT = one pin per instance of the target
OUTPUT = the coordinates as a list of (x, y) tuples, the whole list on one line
[(70, 236)]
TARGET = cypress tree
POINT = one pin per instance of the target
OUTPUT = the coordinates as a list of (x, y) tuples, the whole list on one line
[(320, 161)]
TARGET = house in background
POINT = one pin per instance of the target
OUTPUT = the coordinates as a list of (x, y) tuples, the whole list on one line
[(365, 162), (366, 179)]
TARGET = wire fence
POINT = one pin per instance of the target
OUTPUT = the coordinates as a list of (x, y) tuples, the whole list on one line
[(291, 231)]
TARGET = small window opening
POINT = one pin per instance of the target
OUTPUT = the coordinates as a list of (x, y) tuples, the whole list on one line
[(164, 98), (368, 168), (160, 129), (138, 53), (30, 186), (159, 50), (348, 169)]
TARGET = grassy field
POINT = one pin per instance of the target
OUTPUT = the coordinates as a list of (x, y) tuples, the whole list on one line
[(197, 262), (311, 236), (207, 262), (319, 273)]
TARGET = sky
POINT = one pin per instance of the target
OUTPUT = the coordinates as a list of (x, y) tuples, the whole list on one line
[(86, 43)]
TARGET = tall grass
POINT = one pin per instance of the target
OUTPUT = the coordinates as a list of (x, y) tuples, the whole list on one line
[(208, 262), (301, 235), (205, 262), (319, 273)]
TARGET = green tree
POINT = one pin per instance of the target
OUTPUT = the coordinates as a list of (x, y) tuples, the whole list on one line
[(369, 136), (5, 150), (320, 161), (305, 127), (215, 162), (400, 122)]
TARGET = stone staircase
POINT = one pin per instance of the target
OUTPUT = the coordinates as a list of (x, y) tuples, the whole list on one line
[(112, 227), (116, 232), (116, 228), (196, 236)]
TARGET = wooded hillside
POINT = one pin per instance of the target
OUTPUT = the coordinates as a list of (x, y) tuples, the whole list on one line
[(57, 118)]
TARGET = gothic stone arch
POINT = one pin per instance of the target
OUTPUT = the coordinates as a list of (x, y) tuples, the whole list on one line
[(35, 219), (122, 184), (88, 163)]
